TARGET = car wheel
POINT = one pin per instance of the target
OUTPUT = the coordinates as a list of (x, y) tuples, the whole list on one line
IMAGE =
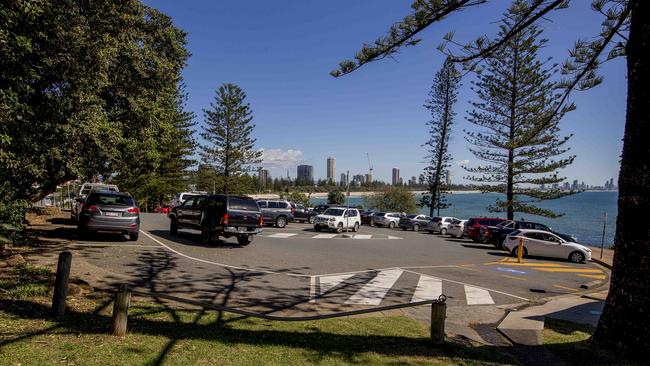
[(339, 227), (206, 234), (372, 223), (312, 219), (416, 227), (133, 236), (356, 227), (281, 222), (316, 228), (244, 240), (391, 225), (173, 226), (576, 257), (443, 231)]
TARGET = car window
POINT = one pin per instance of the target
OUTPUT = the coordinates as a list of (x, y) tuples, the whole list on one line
[(110, 199), (353, 213), (447, 220), (411, 216), (541, 227), (551, 238), (189, 202), (273, 204), (334, 212), (300, 207), (283, 204), (198, 201), (242, 204), (261, 204), (531, 235), (380, 214)]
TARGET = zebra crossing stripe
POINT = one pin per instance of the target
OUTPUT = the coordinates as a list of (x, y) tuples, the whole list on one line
[(375, 290), (282, 235), (329, 282), (428, 288), (393, 237), (362, 236), (477, 296), (324, 236)]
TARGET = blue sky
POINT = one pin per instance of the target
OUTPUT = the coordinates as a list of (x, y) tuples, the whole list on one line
[(281, 52)]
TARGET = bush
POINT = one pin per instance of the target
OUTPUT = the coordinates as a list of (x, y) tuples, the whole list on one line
[(12, 215), (335, 197), (396, 198), (296, 197)]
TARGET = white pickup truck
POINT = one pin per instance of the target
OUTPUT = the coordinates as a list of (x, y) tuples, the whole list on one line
[(338, 218)]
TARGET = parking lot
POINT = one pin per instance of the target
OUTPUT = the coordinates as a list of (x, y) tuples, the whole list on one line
[(296, 267)]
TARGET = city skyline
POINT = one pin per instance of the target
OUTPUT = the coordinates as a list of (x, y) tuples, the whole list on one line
[(379, 109)]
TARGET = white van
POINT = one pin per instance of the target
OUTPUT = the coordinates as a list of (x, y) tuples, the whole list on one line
[(183, 196), (83, 193)]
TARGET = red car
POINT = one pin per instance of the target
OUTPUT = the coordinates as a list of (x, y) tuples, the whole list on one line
[(474, 225), (164, 209)]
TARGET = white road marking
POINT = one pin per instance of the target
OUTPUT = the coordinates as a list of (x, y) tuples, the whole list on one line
[(375, 290), (312, 289), (477, 296), (281, 235), (328, 282), (393, 237), (362, 236), (324, 236), (428, 288), (114, 245)]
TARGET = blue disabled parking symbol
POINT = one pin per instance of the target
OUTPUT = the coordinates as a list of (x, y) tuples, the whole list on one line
[(510, 270)]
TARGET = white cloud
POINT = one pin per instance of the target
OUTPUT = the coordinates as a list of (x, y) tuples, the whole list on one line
[(277, 158), (462, 162)]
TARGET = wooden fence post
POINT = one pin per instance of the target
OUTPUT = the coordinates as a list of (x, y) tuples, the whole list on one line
[(61, 284), (438, 315), (121, 311)]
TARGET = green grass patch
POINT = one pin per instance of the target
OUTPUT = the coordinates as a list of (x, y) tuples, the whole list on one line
[(571, 342), (25, 281), (158, 334)]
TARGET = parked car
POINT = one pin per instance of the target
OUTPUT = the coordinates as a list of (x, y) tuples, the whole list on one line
[(497, 234), (365, 217), (546, 244), (474, 225), (432, 223), (441, 226), (276, 212), (338, 218), (457, 228), (385, 219), (218, 215), (302, 213), (319, 209), (414, 222), (112, 211), (82, 194), (179, 198), (164, 209)]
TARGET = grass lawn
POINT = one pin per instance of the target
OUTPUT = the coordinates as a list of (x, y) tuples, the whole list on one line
[(161, 335)]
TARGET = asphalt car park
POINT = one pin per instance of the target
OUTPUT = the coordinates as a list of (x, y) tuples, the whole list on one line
[(297, 266)]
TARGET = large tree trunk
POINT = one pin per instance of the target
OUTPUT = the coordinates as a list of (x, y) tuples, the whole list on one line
[(625, 323)]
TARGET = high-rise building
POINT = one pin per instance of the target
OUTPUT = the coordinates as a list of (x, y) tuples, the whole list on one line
[(264, 177), (358, 179), (448, 177), (413, 181), (369, 178), (344, 180), (574, 186), (305, 174), (395, 176), (566, 186), (331, 169)]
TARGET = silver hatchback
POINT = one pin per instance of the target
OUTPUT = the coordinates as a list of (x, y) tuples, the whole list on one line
[(109, 211)]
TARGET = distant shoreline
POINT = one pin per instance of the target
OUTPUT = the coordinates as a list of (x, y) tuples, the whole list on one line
[(364, 194)]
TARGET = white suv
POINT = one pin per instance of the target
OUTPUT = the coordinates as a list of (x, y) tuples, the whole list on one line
[(338, 218), (443, 225)]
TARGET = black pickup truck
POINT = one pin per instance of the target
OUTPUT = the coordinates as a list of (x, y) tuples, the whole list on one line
[(218, 215)]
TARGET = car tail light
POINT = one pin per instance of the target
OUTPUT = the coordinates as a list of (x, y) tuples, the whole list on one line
[(293, 210), (261, 220), (224, 219), (91, 208), (133, 210)]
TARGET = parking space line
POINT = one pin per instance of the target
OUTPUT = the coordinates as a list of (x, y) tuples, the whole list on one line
[(324, 236), (598, 277), (362, 236), (513, 277), (477, 296), (568, 270), (375, 290), (553, 265), (566, 288), (281, 235), (428, 288)]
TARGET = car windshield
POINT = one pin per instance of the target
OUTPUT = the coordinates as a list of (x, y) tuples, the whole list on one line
[(379, 214), (110, 199), (411, 216), (243, 204), (436, 219), (334, 212)]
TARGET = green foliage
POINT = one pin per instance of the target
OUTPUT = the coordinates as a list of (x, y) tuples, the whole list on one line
[(395, 198), (518, 136), (206, 179), (229, 148), (442, 98), (86, 90), (335, 197), (296, 197), (12, 214)]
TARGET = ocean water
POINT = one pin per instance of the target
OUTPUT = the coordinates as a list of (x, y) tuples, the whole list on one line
[(583, 212)]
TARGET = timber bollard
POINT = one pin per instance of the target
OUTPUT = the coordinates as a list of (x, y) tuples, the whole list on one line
[(438, 315), (61, 284), (121, 311)]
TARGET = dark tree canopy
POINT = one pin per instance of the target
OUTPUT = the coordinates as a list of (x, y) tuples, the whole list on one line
[(516, 95)]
